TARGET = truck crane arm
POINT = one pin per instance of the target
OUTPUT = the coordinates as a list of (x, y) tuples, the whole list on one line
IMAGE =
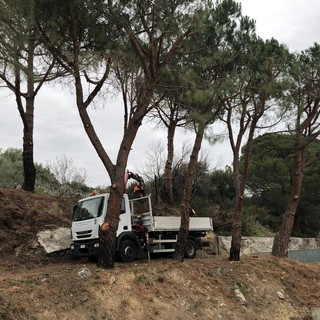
[(139, 189), (134, 176)]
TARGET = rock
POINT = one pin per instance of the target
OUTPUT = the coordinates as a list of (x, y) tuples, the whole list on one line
[(84, 299), (240, 297), (280, 295), (219, 272), (33, 245), (84, 273), (55, 240)]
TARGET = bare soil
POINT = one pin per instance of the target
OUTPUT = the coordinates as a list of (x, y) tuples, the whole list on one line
[(34, 285)]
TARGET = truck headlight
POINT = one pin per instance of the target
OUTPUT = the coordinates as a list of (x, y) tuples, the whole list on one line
[(96, 245), (72, 247)]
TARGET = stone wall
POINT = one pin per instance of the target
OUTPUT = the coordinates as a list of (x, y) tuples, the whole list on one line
[(252, 245)]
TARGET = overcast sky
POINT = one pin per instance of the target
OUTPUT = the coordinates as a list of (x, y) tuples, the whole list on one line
[(58, 129)]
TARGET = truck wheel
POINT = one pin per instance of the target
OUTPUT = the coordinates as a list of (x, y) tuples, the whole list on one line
[(127, 251), (191, 249)]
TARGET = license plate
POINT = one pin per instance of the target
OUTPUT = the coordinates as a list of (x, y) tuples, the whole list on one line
[(82, 246)]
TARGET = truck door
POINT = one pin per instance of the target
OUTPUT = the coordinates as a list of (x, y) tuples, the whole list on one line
[(125, 217)]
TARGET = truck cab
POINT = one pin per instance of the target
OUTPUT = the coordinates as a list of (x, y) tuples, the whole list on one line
[(88, 215)]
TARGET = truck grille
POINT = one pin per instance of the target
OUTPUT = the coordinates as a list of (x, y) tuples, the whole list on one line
[(84, 234)]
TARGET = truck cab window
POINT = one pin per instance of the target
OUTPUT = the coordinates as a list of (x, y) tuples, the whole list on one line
[(89, 209)]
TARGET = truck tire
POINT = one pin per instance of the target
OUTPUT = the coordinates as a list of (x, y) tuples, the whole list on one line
[(191, 249), (127, 251)]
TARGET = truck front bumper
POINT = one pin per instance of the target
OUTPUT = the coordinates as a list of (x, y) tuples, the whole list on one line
[(85, 248)]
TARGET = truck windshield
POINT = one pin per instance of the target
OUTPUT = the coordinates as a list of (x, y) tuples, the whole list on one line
[(89, 209)]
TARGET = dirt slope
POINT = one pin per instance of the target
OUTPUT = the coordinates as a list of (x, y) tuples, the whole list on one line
[(37, 286), (24, 214)]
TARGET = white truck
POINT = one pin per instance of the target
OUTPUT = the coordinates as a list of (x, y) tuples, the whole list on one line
[(138, 231)]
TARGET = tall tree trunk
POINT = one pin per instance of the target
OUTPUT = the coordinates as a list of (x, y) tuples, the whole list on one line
[(281, 240), (169, 161), (185, 206), (27, 155), (108, 230), (238, 214), (27, 117), (240, 182)]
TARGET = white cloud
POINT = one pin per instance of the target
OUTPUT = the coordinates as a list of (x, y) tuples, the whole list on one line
[(292, 22)]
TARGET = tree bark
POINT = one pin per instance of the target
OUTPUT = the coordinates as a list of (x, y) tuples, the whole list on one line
[(27, 155), (185, 206), (108, 230), (27, 118), (281, 240), (238, 214), (240, 184), (169, 161)]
